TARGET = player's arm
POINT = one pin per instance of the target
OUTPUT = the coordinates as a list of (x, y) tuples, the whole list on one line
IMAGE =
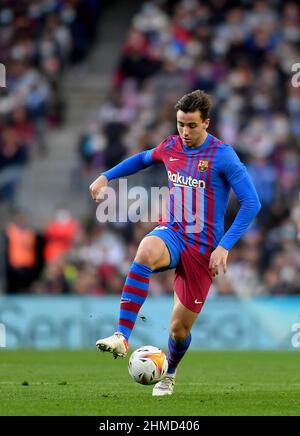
[(239, 180), (250, 206), (129, 166)]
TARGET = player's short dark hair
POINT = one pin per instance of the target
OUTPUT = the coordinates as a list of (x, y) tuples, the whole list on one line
[(195, 101)]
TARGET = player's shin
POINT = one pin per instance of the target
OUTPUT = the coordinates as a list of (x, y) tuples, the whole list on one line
[(176, 351), (134, 294)]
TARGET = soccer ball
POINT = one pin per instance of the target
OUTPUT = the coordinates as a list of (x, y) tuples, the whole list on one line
[(148, 365)]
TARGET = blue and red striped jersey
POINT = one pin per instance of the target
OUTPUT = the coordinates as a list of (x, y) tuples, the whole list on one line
[(200, 180)]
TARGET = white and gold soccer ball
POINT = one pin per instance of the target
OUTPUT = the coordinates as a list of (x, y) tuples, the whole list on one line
[(148, 365)]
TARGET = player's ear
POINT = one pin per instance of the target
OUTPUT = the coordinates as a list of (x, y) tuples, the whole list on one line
[(206, 123)]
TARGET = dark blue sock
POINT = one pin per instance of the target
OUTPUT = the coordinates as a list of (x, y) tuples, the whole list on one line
[(176, 351)]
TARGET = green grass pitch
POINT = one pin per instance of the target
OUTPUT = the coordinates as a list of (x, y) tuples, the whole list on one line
[(93, 383)]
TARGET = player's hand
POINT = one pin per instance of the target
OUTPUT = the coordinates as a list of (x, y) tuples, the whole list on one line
[(97, 186), (218, 259)]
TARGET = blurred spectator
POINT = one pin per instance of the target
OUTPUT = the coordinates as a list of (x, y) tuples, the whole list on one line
[(53, 280), (38, 41), (23, 255), (13, 156), (60, 235)]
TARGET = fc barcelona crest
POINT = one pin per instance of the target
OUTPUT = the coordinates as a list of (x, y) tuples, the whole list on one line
[(203, 165)]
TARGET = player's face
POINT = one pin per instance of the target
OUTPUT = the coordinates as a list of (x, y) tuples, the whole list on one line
[(191, 128)]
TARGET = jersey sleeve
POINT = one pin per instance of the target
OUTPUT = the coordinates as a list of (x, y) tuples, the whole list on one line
[(237, 176), (137, 162), (130, 166), (232, 168), (158, 152), (250, 206)]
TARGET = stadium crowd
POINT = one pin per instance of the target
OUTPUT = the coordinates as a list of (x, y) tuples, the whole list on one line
[(38, 40), (240, 52)]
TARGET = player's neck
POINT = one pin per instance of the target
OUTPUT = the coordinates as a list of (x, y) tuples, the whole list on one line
[(202, 140)]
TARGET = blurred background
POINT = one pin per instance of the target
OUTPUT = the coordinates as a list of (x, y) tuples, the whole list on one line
[(91, 82)]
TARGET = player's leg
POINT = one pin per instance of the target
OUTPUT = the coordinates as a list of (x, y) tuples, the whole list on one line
[(191, 285), (181, 324), (152, 254), (182, 320)]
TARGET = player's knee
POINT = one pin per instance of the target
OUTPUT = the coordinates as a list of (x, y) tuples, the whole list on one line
[(146, 256), (179, 331)]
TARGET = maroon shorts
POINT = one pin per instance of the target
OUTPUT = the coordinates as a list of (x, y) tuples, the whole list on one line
[(192, 279)]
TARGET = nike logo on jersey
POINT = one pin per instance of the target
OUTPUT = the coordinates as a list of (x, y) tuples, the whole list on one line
[(198, 302), (172, 159)]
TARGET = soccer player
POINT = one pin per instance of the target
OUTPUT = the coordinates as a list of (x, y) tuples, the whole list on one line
[(201, 170)]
